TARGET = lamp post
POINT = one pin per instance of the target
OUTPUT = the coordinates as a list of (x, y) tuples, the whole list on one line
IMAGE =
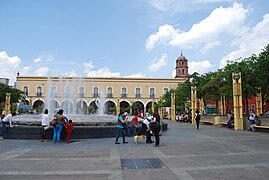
[(173, 107), (259, 102), (7, 104), (193, 103), (237, 98)]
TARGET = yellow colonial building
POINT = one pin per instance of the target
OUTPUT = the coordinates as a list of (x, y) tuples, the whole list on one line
[(76, 94)]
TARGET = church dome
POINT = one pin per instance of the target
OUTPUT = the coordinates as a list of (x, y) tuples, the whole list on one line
[(181, 58)]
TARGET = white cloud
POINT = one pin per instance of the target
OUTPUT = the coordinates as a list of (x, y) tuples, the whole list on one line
[(137, 75), (156, 64), (103, 72), (41, 71), (199, 66), (37, 60), (88, 66), (9, 66), (182, 5), (206, 33), (250, 42)]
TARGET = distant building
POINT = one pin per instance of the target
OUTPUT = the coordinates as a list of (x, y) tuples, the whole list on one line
[(4, 81), (76, 94)]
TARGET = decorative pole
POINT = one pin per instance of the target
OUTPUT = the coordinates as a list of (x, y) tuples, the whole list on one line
[(173, 107), (237, 98), (152, 106), (160, 108), (193, 103), (7, 104), (259, 104), (118, 107)]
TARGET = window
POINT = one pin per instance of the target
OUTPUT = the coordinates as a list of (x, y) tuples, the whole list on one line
[(165, 90), (95, 92), (25, 90), (124, 92), (67, 92), (39, 91), (53, 91), (81, 92), (109, 92), (137, 92), (151, 93)]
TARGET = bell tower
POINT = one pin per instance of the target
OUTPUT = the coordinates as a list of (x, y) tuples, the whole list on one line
[(182, 67)]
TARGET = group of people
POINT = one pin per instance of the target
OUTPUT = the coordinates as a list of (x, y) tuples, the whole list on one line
[(149, 124), (62, 127)]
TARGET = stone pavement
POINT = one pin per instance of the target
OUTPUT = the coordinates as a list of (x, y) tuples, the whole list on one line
[(185, 153)]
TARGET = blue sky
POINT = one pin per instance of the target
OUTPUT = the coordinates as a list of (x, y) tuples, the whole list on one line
[(127, 38)]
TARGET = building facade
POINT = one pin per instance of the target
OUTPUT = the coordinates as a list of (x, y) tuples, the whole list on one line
[(76, 94)]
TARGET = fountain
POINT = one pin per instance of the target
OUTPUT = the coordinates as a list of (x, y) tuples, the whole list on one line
[(27, 126)]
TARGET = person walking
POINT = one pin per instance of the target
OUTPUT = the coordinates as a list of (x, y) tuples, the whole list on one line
[(197, 118), (156, 130), (120, 126), (7, 121), (45, 125)]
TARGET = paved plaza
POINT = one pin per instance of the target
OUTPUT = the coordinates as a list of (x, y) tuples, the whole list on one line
[(184, 153)]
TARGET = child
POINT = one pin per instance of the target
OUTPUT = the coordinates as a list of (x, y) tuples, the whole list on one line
[(69, 127)]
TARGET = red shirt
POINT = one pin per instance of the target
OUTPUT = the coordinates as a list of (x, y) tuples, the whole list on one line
[(135, 120)]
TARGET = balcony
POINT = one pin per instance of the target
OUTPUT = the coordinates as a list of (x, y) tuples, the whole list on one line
[(95, 95), (137, 95), (124, 95), (39, 94), (152, 96), (81, 95)]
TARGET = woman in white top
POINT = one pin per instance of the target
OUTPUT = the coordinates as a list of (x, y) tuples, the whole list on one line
[(45, 125)]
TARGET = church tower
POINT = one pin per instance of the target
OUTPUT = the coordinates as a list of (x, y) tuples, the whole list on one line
[(182, 67)]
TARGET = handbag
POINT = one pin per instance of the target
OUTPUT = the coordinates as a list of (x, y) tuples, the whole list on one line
[(54, 122), (153, 125)]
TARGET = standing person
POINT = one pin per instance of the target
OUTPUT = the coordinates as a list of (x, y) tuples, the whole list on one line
[(156, 131), (7, 121), (44, 125), (135, 124), (120, 127), (251, 119), (145, 129), (197, 118), (59, 126), (69, 127)]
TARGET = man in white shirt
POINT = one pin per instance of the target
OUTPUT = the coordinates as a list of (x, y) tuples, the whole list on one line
[(7, 121)]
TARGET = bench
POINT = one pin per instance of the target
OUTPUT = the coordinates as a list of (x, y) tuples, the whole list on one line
[(206, 122), (261, 128)]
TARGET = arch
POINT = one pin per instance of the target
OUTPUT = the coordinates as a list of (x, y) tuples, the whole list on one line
[(81, 107), (38, 106), (125, 106), (67, 106), (110, 107), (137, 108), (53, 106), (94, 105)]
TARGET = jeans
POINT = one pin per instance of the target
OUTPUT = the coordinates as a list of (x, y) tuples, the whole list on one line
[(57, 133), (120, 132), (4, 127)]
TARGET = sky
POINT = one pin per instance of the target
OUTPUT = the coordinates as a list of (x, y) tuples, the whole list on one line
[(127, 38)]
